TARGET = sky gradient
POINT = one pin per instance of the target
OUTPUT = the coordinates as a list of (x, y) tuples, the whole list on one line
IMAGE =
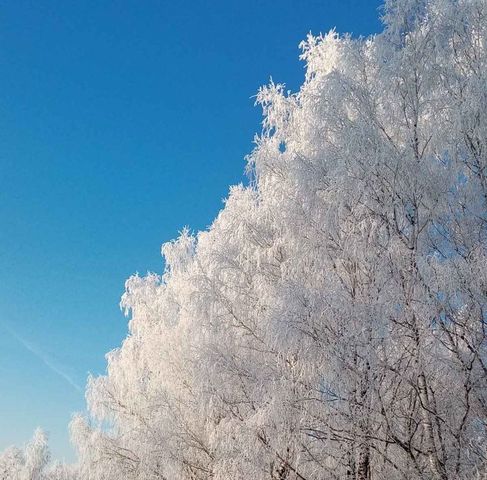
[(120, 123)]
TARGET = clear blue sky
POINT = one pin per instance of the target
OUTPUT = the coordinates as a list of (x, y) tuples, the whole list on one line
[(120, 123)]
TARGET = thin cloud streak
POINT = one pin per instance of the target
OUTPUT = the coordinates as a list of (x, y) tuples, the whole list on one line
[(43, 357)]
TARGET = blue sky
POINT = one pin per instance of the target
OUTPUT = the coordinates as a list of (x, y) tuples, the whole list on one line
[(120, 123)]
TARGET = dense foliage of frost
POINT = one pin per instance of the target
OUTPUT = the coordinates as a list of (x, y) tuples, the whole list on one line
[(331, 323)]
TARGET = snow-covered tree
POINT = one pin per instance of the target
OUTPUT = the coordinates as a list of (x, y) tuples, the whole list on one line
[(331, 323), (11, 464), (32, 463)]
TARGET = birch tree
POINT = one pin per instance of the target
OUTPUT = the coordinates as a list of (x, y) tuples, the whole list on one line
[(330, 324)]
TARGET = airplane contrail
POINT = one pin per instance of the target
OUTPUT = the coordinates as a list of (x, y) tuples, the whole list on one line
[(43, 357)]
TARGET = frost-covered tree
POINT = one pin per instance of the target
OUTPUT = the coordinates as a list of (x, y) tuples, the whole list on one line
[(36, 456), (11, 464), (26, 464), (331, 323), (32, 463)]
